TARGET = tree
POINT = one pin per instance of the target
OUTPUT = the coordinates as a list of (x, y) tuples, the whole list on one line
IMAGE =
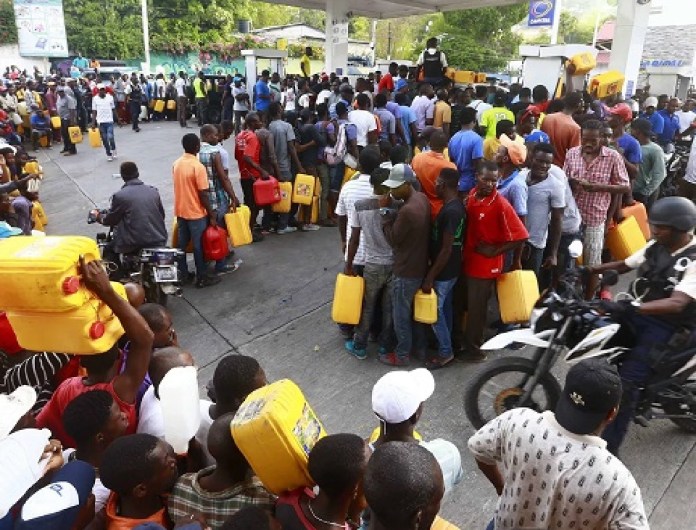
[(8, 28)]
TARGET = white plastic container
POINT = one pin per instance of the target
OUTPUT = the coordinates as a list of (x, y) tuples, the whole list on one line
[(179, 399)]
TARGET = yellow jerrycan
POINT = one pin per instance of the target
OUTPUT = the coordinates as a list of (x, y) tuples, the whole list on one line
[(94, 138), (171, 104), (625, 239), (55, 122), (518, 291), (348, 299), (275, 429), (583, 62), (159, 105), (285, 203), (238, 229), (86, 330), (75, 134), (638, 211), (425, 307), (175, 238), (441, 524), (317, 188), (42, 273), (303, 189)]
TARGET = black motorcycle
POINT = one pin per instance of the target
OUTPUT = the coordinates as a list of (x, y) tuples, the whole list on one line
[(153, 268), (675, 167), (563, 324)]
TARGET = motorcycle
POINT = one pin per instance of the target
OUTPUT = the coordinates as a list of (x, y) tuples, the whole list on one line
[(675, 166), (564, 325), (153, 268)]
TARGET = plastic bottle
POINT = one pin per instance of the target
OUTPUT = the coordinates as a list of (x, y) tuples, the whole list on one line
[(179, 399)]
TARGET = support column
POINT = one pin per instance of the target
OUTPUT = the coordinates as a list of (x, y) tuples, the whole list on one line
[(336, 47), (629, 37)]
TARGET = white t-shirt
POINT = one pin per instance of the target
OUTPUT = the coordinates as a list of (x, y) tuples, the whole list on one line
[(541, 198), (571, 215), (555, 478), (364, 122), (304, 100), (180, 86), (150, 419), (289, 98), (685, 119), (323, 96), (104, 107), (160, 86), (480, 106), (239, 106), (687, 285)]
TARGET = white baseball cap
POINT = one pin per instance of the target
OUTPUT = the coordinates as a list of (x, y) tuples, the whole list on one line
[(397, 395), (650, 102), (13, 406)]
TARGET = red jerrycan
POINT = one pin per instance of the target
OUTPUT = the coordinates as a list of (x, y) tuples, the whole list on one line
[(215, 243), (266, 192)]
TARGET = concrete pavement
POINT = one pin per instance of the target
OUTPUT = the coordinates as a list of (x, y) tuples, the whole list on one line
[(276, 307)]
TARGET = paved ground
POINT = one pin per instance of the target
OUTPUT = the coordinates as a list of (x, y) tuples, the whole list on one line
[(277, 309)]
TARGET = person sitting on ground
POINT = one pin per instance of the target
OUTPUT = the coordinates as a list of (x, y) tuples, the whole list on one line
[(573, 481), (336, 464), (397, 401), (102, 369), (403, 487), (139, 469), (217, 492), (40, 127), (93, 420)]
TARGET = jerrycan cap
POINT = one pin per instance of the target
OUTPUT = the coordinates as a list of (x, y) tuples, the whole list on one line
[(71, 285), (96, 330)]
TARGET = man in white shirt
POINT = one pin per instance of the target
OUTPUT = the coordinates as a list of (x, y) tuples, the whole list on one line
[(686, 116), (103, 115), (479, 103), (181, 98), (364, 122), (323, 96), (241, 103), (557, 471), (423, 106)]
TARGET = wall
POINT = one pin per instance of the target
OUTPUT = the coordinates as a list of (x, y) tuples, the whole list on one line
[(9, 55)]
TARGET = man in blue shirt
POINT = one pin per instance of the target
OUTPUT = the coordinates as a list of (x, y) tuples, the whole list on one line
[(650, 114), (671, 125), (40, 126), (262, 93), (621, 115), (466, 150), (408, 120)]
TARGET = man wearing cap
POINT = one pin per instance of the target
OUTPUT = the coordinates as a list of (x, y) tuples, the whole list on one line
[(40, 126), (407, 230), (511, 157), (556, 470), (656, 121), (620, 115), (103, 115), (652, 170), (67, 110), (398, 399)]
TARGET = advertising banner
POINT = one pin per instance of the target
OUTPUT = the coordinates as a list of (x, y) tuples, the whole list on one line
[(541, 13), (41, 28)]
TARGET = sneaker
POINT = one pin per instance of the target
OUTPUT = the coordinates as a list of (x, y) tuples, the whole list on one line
[(382, 351), (114, 153), (437, 362), (286, 230), (109, 158), (393, 360), (310, 227), (228, 268), (69, 153), (208, 281), (358, 353)]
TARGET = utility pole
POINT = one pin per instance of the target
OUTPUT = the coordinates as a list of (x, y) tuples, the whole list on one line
[(389, 39), (146, 35)]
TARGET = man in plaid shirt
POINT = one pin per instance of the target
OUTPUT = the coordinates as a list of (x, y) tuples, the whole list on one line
[(598, 178), (219, 491)]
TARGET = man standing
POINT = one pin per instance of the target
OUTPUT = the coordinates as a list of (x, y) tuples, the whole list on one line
[(192, 208), (493, 229), (181, 98), (671, 125), (408, 232), (66, 107), (595, 173), (423, 107), (687, 117), (200, 92), (442, 113), (386, 84), (241, 104), (428, 165), (557, 471), (247, 151), (491, 117), (466, 151), (652, 171), (408, 121), (305, 64), (364, 122), (562, 129), (103, 115), (656, 121), (446, 242), (386, 118), (262, 94), (432, 63), (621, 115)]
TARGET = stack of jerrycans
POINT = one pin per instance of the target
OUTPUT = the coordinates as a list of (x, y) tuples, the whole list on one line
[(46, 304)]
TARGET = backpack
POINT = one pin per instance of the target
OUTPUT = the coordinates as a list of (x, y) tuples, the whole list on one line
[(335, 154)]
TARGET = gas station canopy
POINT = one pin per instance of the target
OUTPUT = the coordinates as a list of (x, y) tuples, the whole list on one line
[(396, 8)]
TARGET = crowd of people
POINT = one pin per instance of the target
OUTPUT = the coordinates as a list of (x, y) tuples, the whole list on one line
[(433, 187)]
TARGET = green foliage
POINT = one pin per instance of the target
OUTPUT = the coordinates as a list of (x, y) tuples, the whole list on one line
[(8, 29)]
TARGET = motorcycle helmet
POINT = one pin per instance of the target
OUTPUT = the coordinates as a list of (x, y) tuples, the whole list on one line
[(676, 212)]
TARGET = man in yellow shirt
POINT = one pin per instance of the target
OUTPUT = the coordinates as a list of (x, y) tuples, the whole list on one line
[(304, 62), (499, 112), (443, 112), (200, 93), (491, 145)]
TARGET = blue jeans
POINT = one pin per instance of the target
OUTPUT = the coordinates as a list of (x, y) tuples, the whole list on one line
[(443, 327), (378, 285), (635, 369), (192, 229), (409, 334), (106, 131)]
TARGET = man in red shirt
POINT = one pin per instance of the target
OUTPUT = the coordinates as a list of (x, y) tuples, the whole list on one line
[(427, 165), (102, 369), (387, 81), (562, 129), (493, 228), (247, 151)]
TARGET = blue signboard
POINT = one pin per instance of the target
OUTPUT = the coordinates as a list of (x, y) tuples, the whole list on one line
[(541, 13)]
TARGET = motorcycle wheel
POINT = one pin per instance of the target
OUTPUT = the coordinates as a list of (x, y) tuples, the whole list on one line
[(154, 294), (506, 398), (684, 424)]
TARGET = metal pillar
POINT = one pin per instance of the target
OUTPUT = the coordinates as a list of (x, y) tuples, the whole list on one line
[(146, 35), (629, 37), (337, 37)]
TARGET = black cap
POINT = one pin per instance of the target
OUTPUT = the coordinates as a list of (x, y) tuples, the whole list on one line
[(592, 389)]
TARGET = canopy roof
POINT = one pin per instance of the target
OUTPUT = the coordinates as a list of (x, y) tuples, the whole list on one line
[(397, 8)]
